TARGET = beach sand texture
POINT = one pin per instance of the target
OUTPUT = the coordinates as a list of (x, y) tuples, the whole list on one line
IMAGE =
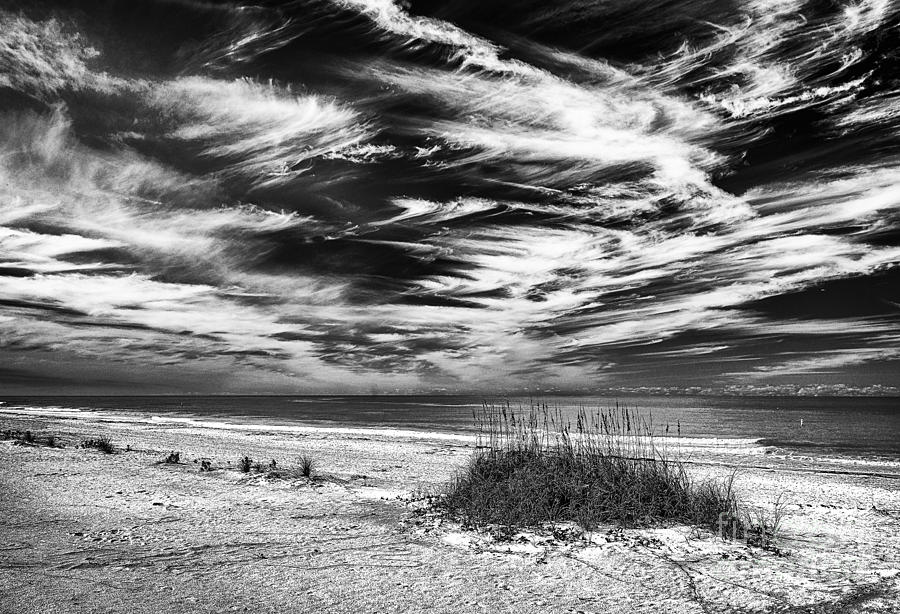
[(83, 531)]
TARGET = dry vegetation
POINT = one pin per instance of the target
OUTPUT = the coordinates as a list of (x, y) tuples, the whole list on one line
[(27, 438), (534, 467), (102, 443)]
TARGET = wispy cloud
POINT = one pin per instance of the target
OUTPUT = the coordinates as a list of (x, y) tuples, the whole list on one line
[(470, 223)]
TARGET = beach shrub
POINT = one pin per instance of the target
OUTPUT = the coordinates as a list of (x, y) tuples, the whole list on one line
[(99, 443), (173, 458), (534, 467), (206, 465)]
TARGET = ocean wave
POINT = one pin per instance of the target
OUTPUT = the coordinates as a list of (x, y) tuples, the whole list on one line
[(47, 410), (845, 446), (330, 430), (283, 425)]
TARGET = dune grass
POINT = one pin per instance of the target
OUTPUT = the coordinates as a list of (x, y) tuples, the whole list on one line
[(534, 467), (307, 466), (272, 470), (27, 438), (19, 437), (102, 443)]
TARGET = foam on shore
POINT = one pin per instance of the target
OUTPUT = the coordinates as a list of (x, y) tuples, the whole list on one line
[(694, 450)]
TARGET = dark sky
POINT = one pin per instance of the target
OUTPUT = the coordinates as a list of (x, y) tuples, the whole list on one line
[(359, 195)]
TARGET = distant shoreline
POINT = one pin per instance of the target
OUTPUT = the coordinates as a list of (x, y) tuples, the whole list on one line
[(893, 394), (718, 451)]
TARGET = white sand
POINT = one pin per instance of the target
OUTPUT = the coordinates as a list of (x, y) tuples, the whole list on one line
[(81, 531)]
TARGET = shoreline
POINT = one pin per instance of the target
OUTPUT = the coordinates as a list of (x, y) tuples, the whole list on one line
[(831, 429), (357, 540), (732, 450)]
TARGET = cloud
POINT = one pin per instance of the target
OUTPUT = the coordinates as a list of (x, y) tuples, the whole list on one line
[(473, 222), (258, 131), (823, 363), (748, 72), (41, 58)]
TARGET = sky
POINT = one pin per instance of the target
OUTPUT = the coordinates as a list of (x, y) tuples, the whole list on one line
[(358, 196)]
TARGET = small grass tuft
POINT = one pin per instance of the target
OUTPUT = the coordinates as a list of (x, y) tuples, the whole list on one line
[(763, 526), (274, 471), (102, 443), (307, 466)]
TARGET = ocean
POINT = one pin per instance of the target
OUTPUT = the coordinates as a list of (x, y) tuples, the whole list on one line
[(858, 427)]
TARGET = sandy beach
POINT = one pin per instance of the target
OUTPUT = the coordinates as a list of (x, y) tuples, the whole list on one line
[(84, 531)]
